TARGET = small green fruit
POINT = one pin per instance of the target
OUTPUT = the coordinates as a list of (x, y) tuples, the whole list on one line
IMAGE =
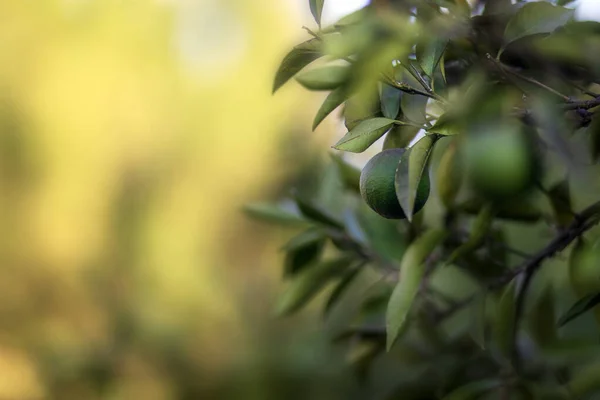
[(500, 162), (377, 185)]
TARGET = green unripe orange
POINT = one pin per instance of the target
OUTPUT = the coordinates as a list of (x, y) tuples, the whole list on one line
[(377, 185), (500, 162)]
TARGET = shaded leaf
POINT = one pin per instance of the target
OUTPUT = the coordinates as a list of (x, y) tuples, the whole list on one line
[(332, 101), (327, 77), (560, 199), (472, 390), (582, 306), (315, 213), (542, 322), (449, 176), (316, 9), (384, 235), (412, 170), (308, 283), (523, 209), (274, 214), (585, 382), (390, 101), (481, 227), (400, 136), (504, 320), (340, 289), (303, 250), (349, 174), (478, 322), (298, 58), (364, 135), (536, 18), (412, 270)]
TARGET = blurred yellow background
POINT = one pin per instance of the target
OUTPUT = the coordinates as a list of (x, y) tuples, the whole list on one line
[(131, 132)]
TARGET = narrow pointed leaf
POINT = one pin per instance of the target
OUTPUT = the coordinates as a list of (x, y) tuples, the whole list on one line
[(308, 283), (412, 269), (315, 213), (542, 321), (430, 53), (505, 319), (296, 60), (328, 77), (303, 250), (478, 322), (316, 9), (412, 170), (364, 135), (536, 18), (472, 390), (481, 227), (349, 174), (332, 101), (274, 214), (340, 289), (449, 176), (582, 306)]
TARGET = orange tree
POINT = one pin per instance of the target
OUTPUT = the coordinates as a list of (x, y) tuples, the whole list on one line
[(464, 253)]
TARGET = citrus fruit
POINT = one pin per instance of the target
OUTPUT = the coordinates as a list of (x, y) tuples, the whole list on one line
[(377, 185), (500, 162)]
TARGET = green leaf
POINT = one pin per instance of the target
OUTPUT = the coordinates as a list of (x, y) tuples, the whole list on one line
[(315, 213), (564, 2), (308, 283), (364, 135), (361, 106), (400, 136), (481, 227), (542, 321), (349, 174), (430, 52), (446, 125), (505, 319), (449, 176), (413, 108), (411, 171), (303, 250), (585, 382), (412, 270), (327, 77), (333, 101), (560, 199), (296, 60), (383, 235), (353, 18), (274, 214), (477, 328), (390, 101), (582, 306), (316, 9), (473, 390), (536, 18), (340, 289)]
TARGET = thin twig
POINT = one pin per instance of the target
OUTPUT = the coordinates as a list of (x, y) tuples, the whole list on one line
[(583, 222), (506, 69)]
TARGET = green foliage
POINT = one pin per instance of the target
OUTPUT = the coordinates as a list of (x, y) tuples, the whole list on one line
[(504, 97)]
